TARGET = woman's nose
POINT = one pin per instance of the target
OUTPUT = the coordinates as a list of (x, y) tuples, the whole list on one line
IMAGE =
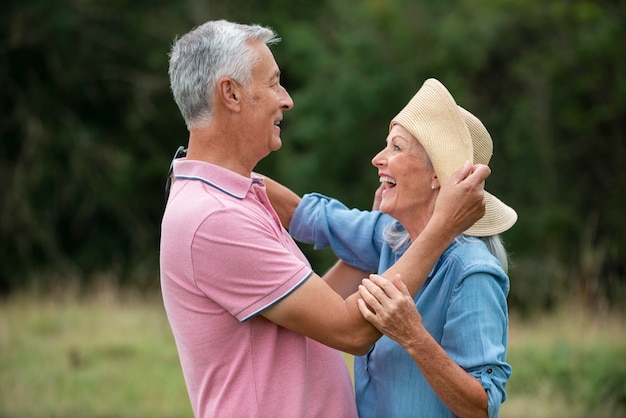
[(378, 159)]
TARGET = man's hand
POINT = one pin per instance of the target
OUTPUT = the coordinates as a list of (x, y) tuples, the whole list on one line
[(378, 197), (461, 200)]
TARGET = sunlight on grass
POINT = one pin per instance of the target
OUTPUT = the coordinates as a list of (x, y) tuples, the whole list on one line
[(106, 357), (569, 364), (94, 358)]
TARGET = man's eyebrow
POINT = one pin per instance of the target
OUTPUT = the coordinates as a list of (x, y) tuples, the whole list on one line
[(275, 75)]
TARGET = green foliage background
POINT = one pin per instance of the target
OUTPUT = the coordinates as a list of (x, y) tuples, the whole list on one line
[(88, 125)]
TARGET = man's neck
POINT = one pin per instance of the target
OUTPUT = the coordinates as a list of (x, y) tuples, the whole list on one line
[(209, 145)]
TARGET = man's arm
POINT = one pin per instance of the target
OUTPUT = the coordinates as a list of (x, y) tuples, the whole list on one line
[(318, 312), (344, 278)]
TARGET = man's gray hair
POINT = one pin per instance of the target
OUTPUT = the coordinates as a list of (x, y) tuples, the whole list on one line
[(205, 54)]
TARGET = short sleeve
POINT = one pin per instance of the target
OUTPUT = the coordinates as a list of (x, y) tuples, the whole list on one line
[(244, 262)]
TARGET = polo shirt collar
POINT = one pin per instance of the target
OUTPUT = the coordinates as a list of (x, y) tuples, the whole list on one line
[(221, 178)]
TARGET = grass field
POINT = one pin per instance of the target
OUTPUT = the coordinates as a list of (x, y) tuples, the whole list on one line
[(108, 356)]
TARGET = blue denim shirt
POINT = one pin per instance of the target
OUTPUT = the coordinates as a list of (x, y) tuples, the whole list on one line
[(463, 306)]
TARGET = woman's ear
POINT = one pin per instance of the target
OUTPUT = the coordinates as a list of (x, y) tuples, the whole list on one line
[(434, 183), (229, 93)]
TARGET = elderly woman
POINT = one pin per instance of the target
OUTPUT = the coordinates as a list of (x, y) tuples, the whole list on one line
[(448, 359)]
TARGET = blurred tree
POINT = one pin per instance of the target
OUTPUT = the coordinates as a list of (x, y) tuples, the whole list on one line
[(88, 124), (81, 92), (547, 80)]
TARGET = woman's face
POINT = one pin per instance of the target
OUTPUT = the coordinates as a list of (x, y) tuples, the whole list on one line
[(409, 181)]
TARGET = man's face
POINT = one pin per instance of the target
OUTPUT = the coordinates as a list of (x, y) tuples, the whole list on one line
[(264, 101)]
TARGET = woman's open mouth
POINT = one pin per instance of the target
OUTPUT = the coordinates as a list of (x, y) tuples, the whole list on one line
[(388, 182)]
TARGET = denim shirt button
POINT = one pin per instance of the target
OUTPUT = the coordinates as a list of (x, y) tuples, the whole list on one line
[(489, 370)]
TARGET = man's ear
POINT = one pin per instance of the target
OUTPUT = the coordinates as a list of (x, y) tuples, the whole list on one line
[(229, 93)]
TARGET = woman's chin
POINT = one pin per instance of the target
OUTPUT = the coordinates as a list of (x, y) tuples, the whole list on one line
[(386, 209)]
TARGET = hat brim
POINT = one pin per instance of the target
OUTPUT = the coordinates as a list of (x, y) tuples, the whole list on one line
[(498, 218)]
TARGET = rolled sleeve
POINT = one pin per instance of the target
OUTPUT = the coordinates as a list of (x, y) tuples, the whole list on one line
[(476, 331), (493, 380)]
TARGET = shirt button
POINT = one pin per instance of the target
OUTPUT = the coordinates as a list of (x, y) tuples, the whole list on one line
[(489, 370)]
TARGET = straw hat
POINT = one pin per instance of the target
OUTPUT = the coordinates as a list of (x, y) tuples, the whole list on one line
[(450, 136)]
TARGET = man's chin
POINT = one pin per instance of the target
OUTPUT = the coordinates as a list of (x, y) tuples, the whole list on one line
[(276, 145)]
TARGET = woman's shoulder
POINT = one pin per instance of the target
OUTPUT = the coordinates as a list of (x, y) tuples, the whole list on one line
[(471, 254)]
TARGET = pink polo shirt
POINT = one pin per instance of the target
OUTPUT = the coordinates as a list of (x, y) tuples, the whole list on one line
[(224, 258)]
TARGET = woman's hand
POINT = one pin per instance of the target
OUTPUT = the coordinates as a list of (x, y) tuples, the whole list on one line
[(390, 308), (461, 200)]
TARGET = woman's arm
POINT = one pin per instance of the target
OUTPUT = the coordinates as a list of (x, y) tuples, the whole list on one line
[(283, 200), (315, 310), (390, 307), (341, 277)]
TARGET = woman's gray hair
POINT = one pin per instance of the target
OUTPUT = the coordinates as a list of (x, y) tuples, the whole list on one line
[(201, 57), (495, 245), (397, 237)]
